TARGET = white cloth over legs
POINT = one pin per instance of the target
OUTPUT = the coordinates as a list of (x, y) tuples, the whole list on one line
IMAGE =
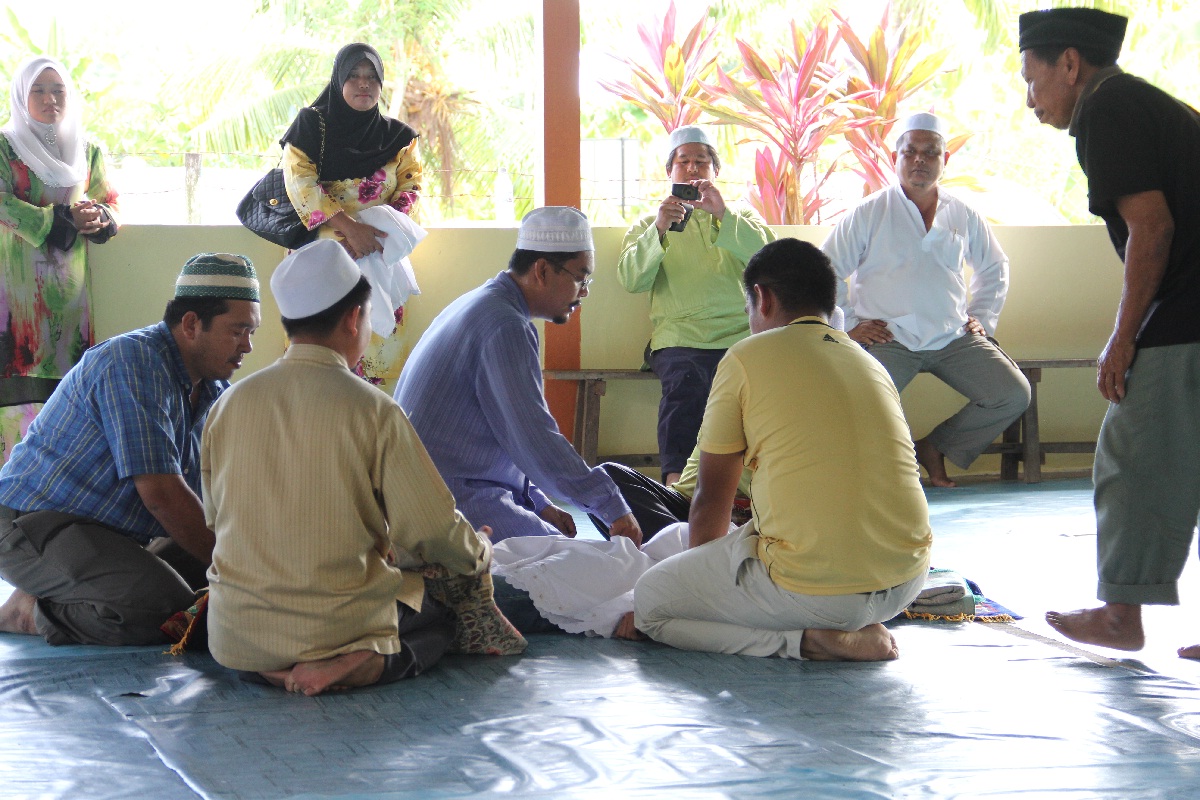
[(583, 585), (718, 598), (390, 273)]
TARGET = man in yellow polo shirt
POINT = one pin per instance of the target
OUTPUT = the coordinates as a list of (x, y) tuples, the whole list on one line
[(840, 538)]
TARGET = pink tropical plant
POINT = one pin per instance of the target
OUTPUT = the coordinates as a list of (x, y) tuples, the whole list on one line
[(795, 103), (674, 73), (884, 72)]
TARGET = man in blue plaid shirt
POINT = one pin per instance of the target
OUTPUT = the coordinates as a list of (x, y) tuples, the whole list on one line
[(111, 465)]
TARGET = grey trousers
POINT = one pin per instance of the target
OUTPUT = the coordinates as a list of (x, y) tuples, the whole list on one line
[(94, 585), (1147, 477), (996, 391), (718, 598)]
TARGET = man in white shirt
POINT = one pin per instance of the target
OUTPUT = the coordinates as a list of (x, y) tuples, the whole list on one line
[(900, 256)]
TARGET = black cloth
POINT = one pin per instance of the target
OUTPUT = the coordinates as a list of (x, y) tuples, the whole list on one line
[(654, 506), (1132, 137), (687, 374), (1072, 27), (518, 608), (357, 143), (62, 233)]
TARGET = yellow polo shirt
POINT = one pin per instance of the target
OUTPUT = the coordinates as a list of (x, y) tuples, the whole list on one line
[(837, 498)]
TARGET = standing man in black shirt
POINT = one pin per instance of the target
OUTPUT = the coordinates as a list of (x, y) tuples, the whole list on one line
[(1140, 150)]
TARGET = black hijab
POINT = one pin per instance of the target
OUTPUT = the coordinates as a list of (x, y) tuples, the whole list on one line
[(357, 143)]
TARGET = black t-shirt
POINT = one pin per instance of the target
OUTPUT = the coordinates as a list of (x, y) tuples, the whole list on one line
[(1132, 137)]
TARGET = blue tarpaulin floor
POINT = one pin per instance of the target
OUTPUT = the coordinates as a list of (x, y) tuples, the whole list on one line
[(969, 710)]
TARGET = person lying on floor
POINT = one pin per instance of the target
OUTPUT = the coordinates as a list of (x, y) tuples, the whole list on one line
[(102, 531), (656, 506), (325, 504), (840, 538), (473, 390)]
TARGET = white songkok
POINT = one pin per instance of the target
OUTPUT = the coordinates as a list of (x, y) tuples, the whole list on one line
[(921, 122), (313, 278), (689, 134), (555, 229)]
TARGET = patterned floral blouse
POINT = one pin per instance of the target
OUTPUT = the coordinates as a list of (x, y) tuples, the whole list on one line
[(397, 183)]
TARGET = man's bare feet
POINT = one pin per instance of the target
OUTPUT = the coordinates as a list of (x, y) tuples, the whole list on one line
[(277, 677), (627, 630), (1115, 625), (872, 643), (1191, 651), (16, 615), (934, 463), (347, 671)]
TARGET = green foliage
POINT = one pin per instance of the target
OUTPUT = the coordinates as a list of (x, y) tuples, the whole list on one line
[(463, 73)]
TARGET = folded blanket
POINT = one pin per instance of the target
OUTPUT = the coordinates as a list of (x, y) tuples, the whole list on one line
[(942, 587), (949, 597)]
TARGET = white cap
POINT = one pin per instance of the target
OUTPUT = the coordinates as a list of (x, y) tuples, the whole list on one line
[(689, 134), (921, 122), (313, 278), (555, 229)]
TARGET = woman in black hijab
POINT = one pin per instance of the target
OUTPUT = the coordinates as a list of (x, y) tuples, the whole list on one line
[(361, 159), (342, 155)]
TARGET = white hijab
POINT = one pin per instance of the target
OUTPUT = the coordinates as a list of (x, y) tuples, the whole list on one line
[(63, 162)]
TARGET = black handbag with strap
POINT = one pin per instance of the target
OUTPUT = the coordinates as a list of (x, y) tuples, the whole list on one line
[(267, 211)]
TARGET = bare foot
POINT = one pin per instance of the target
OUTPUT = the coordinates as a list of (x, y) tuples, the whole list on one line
[(347, 671), (1191, 651), (872, 643), (277, 677), (934, 463), (1115, 625), (627, 630), (16, 615)]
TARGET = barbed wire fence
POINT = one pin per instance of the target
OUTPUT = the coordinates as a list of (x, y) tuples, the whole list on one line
[(204, 187)]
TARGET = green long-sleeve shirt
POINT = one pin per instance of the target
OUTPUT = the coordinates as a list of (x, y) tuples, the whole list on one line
[(694, 276)]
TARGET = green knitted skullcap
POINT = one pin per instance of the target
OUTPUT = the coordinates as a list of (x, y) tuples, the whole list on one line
[(218, 275)]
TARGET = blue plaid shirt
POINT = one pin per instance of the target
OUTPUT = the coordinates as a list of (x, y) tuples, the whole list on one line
[(124, 410)]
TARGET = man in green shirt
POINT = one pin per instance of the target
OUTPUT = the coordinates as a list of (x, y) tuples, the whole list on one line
[(694, 279)]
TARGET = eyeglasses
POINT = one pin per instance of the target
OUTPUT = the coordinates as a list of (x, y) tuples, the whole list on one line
[(583, 283)]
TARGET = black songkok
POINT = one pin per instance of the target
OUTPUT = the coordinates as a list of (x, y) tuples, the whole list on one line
[(1073, 27)]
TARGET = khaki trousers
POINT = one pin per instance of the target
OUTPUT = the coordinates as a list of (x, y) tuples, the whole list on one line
[(93, 584)]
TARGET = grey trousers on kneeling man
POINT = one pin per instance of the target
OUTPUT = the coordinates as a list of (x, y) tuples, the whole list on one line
[(93, 584)]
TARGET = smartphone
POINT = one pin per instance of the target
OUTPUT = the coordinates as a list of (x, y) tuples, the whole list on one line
[(684, 191)]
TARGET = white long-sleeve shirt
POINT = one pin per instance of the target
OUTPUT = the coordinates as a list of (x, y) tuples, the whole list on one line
[(891, 268)]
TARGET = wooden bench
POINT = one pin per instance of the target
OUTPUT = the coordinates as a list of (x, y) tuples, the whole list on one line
[(1020, 444), (591, 385)]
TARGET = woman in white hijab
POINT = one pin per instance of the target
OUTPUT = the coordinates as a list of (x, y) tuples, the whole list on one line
[(53, 197)]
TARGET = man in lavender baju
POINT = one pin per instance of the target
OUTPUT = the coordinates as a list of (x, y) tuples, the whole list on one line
[(473, 390)]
